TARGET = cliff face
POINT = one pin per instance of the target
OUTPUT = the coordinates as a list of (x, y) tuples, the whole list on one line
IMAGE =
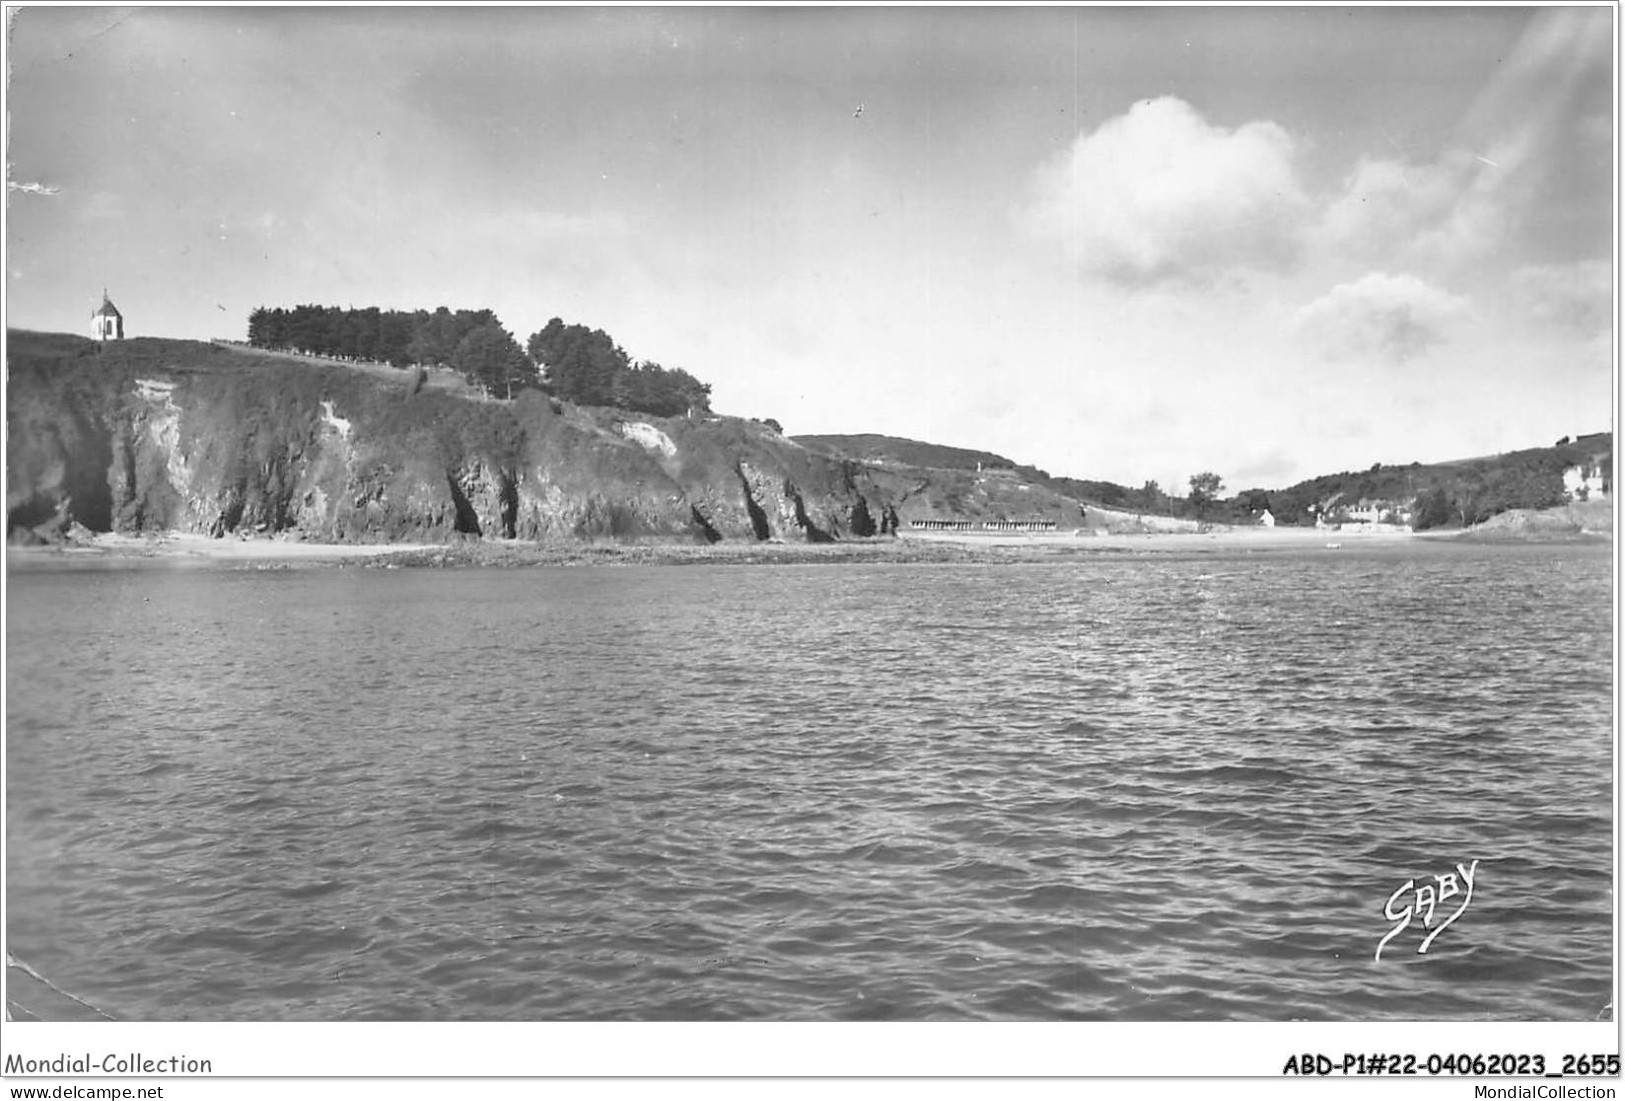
[(151, 435)]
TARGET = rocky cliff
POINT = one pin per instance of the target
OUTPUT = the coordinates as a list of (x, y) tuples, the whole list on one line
[(151, 435)]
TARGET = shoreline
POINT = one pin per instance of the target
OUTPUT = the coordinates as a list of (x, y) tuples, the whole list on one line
[(907, 547), (1249, 538), (172, 545)]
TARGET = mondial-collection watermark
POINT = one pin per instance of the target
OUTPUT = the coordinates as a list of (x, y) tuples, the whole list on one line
[(132, 1063), (1541, 1092)]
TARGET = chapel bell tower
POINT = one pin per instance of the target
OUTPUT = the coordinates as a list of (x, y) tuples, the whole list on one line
[(107, 323)]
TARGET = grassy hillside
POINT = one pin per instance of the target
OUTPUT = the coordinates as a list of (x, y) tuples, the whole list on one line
[(1460, 492), (1578, 522), (896, 450)]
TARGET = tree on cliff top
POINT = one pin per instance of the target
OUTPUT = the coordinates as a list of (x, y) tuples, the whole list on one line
[(586, 366), (651, 388), (490, 356), (1205, 489), (373, 334), (581, 364)]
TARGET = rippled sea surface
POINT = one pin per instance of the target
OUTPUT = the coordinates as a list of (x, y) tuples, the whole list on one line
[(1121, 787)]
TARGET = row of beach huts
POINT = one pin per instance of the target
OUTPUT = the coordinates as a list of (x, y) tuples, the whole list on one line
[(983, 525)]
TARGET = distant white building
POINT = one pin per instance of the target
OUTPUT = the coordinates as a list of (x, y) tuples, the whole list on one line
[(1368, 511), (1585, 481), (1266, 519), (107, 323)]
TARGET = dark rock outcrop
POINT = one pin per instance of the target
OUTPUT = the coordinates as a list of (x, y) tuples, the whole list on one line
[(178, 435)]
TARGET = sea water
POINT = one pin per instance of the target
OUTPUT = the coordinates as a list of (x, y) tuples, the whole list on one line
[(1132, 787)]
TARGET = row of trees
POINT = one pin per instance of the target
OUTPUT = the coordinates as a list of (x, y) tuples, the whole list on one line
[(586, 366), (572, 362), (1203, 503), (470, 341)]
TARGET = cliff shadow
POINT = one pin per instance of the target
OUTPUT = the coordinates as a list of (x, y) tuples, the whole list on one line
[(466, 520)]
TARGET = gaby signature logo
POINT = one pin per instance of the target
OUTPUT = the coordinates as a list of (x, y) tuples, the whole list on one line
[(1421, 900)]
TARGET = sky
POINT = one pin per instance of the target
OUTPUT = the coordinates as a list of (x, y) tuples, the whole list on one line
[(1116, 243)]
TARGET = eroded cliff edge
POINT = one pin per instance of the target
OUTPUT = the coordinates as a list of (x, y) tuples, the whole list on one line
[(169, 435)]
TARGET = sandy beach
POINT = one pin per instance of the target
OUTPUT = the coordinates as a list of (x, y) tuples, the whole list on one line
[(182, 545), (906, 547), (1216, 538)]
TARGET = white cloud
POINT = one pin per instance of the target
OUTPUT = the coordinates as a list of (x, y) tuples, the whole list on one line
[(1576, 297), (1382, 317), (1387, 203), (1159, 194), (1476, 197), (1446, 215)]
